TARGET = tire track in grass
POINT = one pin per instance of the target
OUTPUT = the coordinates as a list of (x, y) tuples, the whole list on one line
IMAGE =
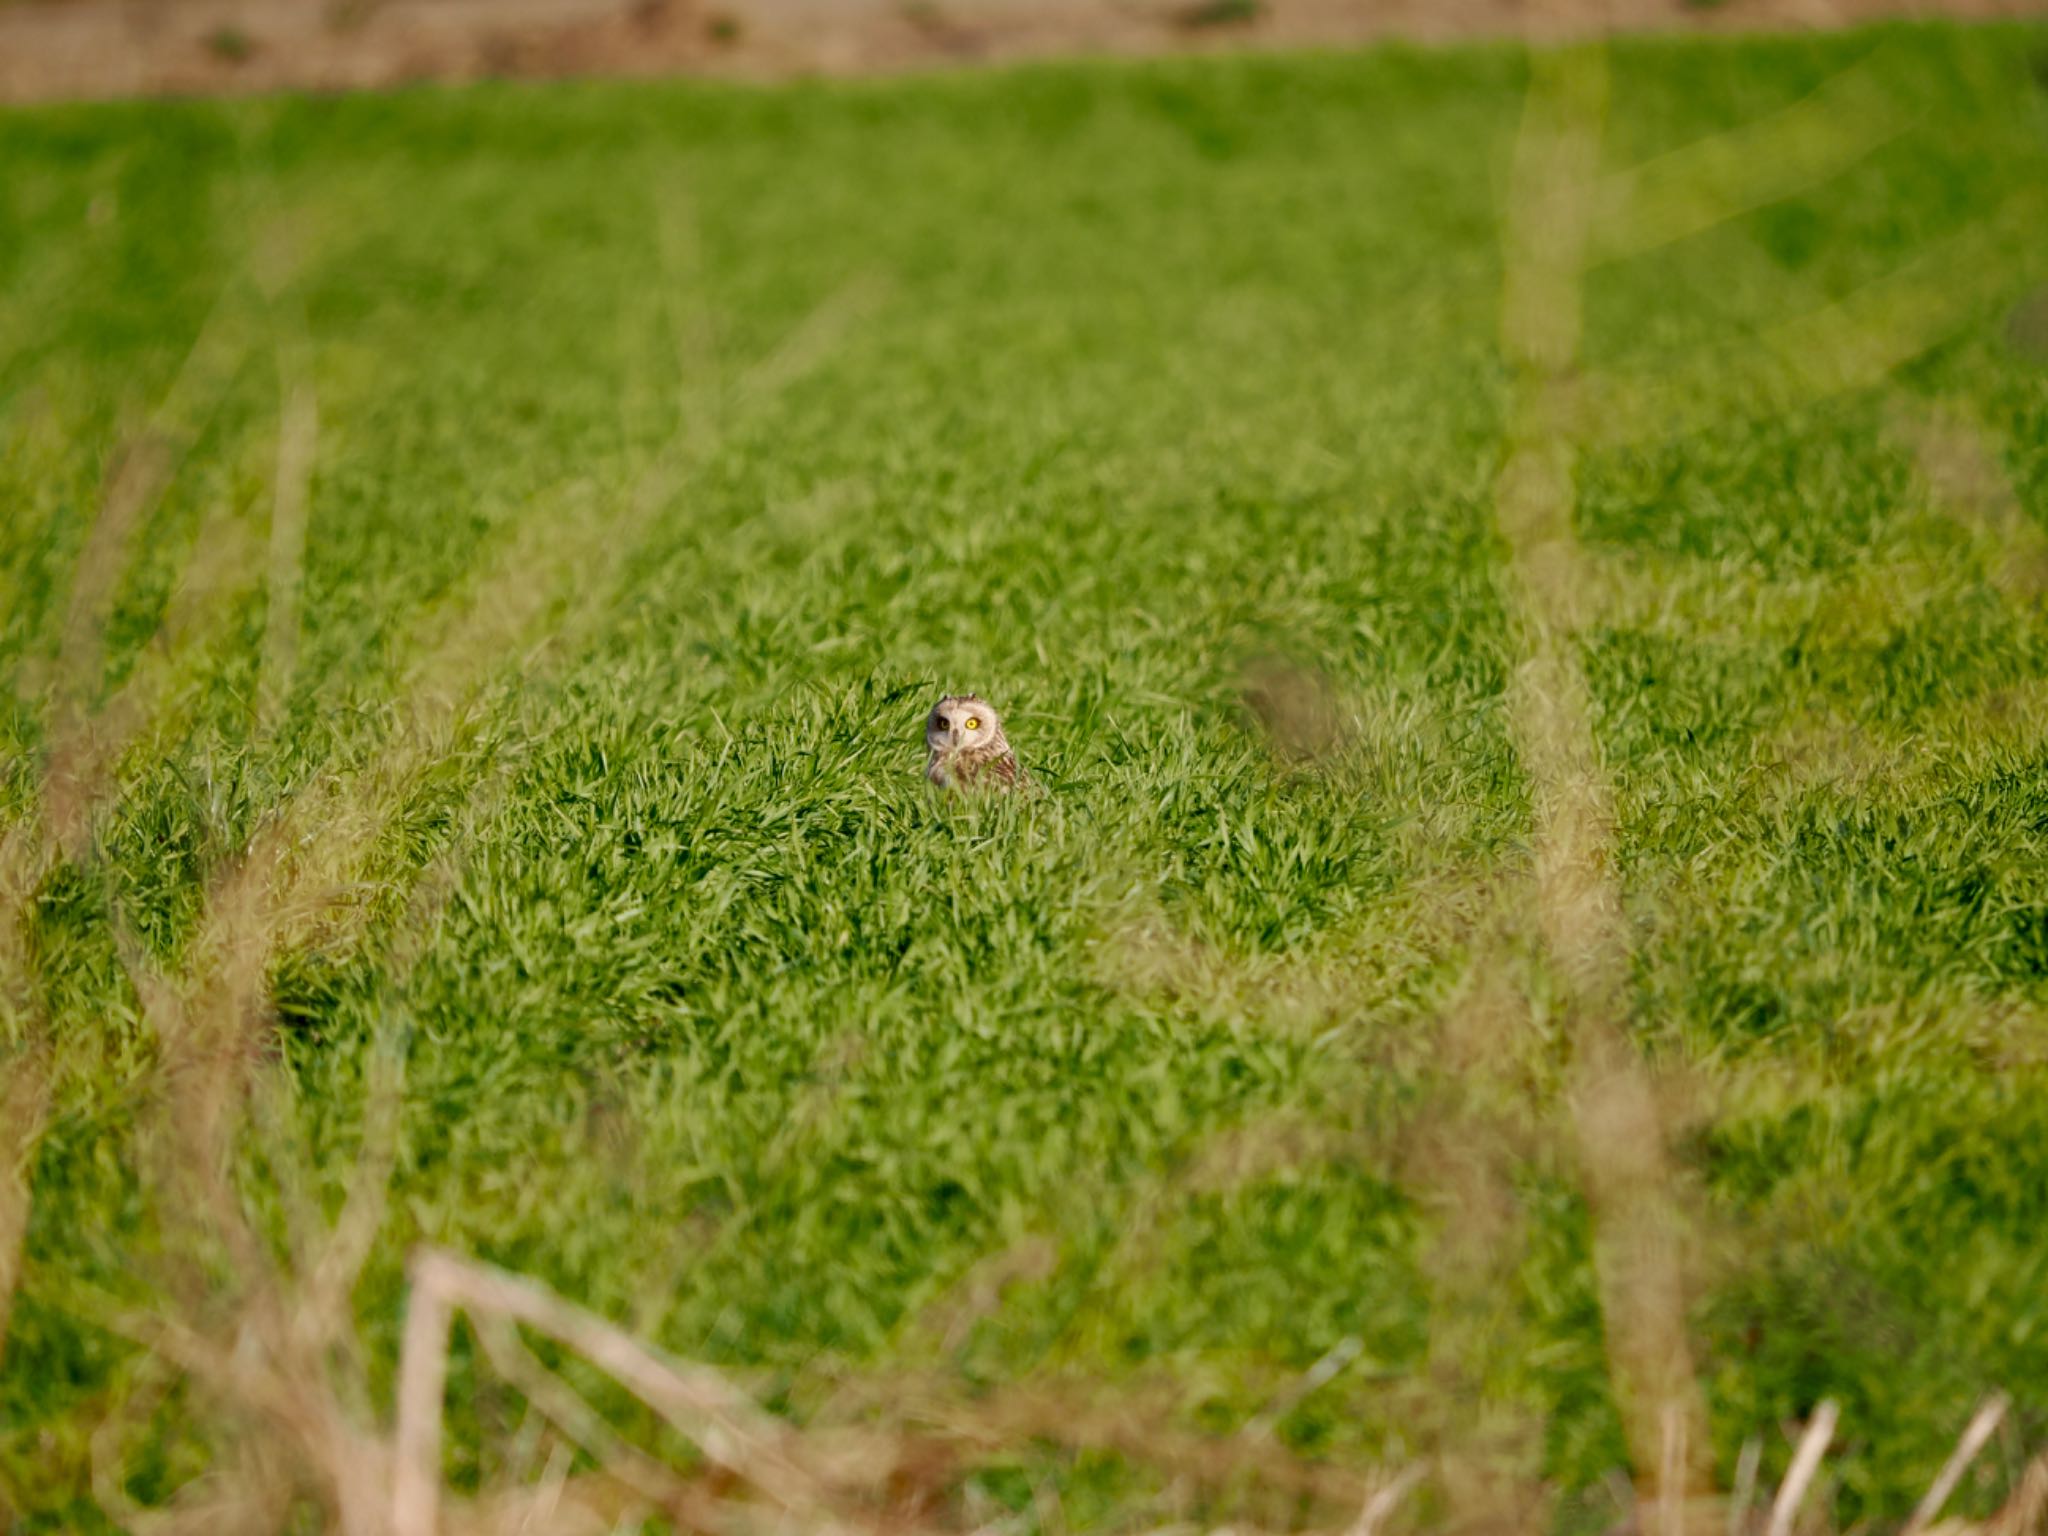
[(298, 437), (1959, 458), (1566, 217), (1575, 219), (552, 580), (300, 875), (317, 844), (85, 740), (1562, 218), (1569, 218), (1856, 342), (277, 263), (1831, 348), (1711, 180), (1959, 461), (1623, 1162)]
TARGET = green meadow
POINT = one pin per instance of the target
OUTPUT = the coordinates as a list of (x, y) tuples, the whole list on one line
[(538, 518)]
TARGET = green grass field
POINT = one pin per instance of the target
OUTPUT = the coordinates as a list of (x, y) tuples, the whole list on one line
[(663, 451)]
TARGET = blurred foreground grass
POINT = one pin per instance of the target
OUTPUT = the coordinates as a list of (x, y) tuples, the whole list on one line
[(551, 510)]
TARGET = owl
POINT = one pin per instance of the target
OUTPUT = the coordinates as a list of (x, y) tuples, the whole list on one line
[(968, 748)]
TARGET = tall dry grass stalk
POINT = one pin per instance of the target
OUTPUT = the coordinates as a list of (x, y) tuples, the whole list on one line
[(1639, 1237), (24, 1106)]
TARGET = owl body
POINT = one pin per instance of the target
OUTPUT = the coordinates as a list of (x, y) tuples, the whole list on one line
[(966, 747)]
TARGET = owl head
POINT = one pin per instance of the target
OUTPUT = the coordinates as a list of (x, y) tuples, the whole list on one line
[(960, 722)]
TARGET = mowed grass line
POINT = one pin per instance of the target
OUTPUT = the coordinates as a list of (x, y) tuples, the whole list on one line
[(725, 1027)]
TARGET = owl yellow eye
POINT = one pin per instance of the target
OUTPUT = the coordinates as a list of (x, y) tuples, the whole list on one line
[(973, 725)]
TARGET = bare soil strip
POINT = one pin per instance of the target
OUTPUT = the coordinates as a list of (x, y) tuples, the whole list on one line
[(67, 49)]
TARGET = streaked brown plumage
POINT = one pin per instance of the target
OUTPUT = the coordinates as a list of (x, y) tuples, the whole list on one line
[(967, 749)]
